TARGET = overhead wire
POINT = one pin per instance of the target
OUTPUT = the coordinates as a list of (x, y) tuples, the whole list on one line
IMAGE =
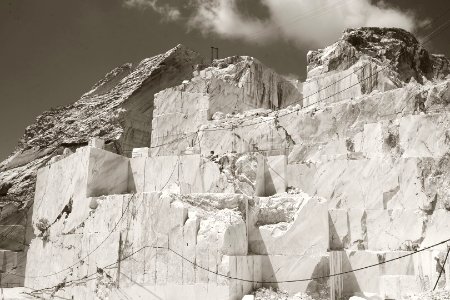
[(442, 269)]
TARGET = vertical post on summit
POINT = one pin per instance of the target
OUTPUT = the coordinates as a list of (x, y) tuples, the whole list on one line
[(216, 51)]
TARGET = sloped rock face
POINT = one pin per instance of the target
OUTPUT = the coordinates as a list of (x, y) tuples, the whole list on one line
[(118, 109)]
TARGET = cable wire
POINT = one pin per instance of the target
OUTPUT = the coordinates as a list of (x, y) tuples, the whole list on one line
[(442, 269)]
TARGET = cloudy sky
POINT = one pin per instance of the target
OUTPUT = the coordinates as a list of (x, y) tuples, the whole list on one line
[(52, 51)]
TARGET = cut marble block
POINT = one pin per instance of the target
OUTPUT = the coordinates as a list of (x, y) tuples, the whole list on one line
[(187, 174), (393, 229), (345, 183), (107, 215), (276, 223), (336, 282), (437, 223), (399, 286), (171, 292), (277, 269), (341, 85), (376, 183), (387, 269), (149, 174), (381, 230), (373, 140), (63, 187), (275, 175), (225, 288), (424, 135), (242, 278), (427, 266), (60, 182), (178, 215), (350, 283), (107, 173), (102, 252), (339, 229), (64, 252), (364, 280), (202, 235), (141, 152), (193, 176), (190, 230)]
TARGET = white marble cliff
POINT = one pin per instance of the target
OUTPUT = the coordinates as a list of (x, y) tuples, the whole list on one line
[(181, 180)]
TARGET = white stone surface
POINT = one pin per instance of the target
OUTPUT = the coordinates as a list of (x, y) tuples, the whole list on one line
[(275, 175), (425, 136), (229, 194), (399, 287), (141, 152), (187, 174), (281, 268), (276, 222)]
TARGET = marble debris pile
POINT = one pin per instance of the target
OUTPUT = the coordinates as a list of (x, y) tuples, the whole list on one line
[(178, 179)]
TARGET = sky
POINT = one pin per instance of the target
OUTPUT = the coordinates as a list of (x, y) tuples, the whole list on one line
[(52, 51)]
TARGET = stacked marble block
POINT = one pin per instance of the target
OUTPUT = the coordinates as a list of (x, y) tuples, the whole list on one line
[(181, 111), (95, 208), (275, 252), (63, 204), (211, 237), (387, 190), (288, 234), (251, 174)]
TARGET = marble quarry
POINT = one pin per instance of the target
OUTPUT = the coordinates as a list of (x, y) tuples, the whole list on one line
[(177, 179)]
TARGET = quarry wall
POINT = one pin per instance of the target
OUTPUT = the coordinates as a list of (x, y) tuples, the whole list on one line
[(230, 178)]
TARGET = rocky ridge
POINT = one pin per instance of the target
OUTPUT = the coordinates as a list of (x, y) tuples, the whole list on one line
[(408, 58)]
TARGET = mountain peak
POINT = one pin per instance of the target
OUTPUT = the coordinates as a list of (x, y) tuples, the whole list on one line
[(398, 47)]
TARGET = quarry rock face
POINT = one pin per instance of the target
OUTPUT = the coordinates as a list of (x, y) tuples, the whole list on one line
[(181, 180), (118, 109)]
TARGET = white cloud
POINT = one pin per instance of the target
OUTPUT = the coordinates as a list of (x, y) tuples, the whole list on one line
[(222, 17), (303, 22), (321, 21), (168, 12)]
